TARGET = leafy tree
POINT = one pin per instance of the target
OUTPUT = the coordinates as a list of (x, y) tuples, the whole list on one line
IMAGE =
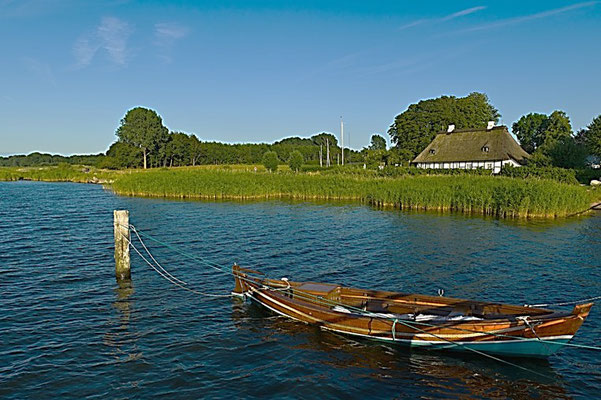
[(592, 136), (195, 149), (179, 148), (270, 161), (373, 158), (398, 156), (558, 126), (377, 142), (415, 128), (539, 131), (296, 160), (529, 130), (566, 152), (320, 139), (123, 155), (144, 129)]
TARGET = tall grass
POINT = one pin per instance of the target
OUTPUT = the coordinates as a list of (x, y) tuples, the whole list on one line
[(60, 173), (492, 195), (500, 196)]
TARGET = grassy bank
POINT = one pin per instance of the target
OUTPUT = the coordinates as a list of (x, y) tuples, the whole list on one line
[(61, 173), (504, 197), (500, 196)]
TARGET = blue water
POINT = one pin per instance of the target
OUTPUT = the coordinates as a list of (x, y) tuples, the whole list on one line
[(67, 330)]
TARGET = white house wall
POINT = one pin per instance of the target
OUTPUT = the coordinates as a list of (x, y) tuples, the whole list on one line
[(495, 166)]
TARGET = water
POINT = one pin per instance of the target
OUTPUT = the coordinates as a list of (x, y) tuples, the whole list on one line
[(68, 331)]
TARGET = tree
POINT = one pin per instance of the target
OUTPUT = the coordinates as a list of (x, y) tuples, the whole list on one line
[(296, 160), (566, 152), (530, 131), (179, 148), (271, 161), (377, 142), (144, 129), (320, 139), (195, 150), (123, 155), (591, 136), (374, 158), (539, 131), (415, 128)]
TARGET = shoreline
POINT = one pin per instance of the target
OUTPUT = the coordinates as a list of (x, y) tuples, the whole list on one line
[(500, 197)]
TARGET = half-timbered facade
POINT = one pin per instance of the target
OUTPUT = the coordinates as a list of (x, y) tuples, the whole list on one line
[(488, 148)]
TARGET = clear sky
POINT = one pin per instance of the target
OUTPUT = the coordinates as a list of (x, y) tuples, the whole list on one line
[(258, 71)]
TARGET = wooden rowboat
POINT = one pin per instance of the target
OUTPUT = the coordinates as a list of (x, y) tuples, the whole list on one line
[(432, 322)]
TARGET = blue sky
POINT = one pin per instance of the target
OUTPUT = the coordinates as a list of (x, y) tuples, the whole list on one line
[(258, 71)]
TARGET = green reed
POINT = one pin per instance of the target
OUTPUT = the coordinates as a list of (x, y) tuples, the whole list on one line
[(500, 196)]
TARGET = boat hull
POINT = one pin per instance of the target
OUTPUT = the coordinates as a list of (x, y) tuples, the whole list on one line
[(527, 332)]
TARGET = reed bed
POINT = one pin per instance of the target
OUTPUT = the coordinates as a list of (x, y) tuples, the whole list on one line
[(499, 196), (60, 173)]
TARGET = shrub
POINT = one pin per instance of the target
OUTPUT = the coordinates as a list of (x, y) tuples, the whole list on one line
[(296, 160), (554, 173), (271, 161)]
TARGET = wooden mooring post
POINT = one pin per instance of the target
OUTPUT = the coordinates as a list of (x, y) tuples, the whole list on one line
[(122, 238)]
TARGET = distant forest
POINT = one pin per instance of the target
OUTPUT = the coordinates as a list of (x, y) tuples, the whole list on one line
[(121, 155)]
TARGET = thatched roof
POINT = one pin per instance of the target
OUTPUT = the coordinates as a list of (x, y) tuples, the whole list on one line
[(473, 145)]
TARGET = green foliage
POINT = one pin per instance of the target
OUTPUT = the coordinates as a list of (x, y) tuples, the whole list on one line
[(60, 173), (143, 128), (296, 160), (592, 136), (566, 152), (123, 155), (586, 175), (415, 128), (550, 140), (529, 130), (377, 142), (324, 138), (398, 156), (552, 173), (270, 161), (42, 159), (500, 196), (375, 157)]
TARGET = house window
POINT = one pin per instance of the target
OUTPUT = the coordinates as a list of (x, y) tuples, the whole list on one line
[(485, 149), (489, 165), (432, 151), (468, 165)]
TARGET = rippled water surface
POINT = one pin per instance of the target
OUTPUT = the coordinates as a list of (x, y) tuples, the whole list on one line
[(67, 330)]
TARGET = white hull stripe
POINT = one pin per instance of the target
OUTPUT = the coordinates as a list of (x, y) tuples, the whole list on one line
[(421, 336)]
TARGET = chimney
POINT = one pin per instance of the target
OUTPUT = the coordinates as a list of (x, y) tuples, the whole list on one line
[(451, 128), (491, 124)]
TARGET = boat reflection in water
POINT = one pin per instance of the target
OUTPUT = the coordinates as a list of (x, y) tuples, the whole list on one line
[(393, 370)]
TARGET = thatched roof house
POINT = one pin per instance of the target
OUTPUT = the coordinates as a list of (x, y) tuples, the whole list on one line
[(489, 148)]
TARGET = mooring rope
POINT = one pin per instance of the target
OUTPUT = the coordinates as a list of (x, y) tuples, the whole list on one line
[(166, 277), (329, 302), (154, 259)]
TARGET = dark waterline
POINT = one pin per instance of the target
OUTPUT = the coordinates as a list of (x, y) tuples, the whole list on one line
[(68, 330)]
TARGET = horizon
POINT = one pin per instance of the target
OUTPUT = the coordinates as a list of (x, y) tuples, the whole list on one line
[(285, 70)]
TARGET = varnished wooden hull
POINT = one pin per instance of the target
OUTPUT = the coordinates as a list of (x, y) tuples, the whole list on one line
[(502, 329)]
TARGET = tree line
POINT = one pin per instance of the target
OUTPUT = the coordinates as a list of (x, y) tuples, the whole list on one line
[(143, 141)]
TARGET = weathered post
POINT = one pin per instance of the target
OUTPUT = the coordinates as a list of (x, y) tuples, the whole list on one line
[(122, 238)]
